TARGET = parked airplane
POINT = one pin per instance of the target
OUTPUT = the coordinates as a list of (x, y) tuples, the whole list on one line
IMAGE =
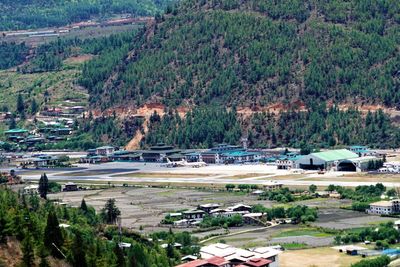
[(184, 163)]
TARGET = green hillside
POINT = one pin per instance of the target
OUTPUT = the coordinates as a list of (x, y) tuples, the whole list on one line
[(249, 53), (22, 14)]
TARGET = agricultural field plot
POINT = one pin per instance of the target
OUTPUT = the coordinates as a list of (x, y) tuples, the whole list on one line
[(347, 219), (316, 257)]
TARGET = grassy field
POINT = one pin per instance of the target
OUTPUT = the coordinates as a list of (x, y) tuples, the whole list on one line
[(359, 177), (294, 246), (301, 232), (316, 257)]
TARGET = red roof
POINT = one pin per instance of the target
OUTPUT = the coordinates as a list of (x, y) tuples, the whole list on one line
[(195, 263), (258, 262), (217, 261)]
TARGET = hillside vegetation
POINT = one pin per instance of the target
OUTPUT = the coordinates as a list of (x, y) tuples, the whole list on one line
[(22, 14), (249, 53)]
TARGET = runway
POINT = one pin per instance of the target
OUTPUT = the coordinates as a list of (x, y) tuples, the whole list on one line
[(259, 174)]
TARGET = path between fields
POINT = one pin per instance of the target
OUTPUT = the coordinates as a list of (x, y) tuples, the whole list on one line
[(238, 233)]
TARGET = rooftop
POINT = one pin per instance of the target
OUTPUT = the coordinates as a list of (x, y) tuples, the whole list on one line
[(338, 154), (14, 131)]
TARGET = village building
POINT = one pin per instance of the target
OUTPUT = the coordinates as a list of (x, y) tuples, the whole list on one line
[(105, 150), (70, 187), (211, 262), (31, 189), (208, 207), (384, 207), (272, 185), (238, 256), (193, 214), (61, 131), (16, 134)]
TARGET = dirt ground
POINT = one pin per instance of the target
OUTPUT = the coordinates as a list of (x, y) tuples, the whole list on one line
[(347, 219), (316, 257)]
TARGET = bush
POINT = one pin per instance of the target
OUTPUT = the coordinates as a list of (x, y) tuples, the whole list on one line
[(377, 262)]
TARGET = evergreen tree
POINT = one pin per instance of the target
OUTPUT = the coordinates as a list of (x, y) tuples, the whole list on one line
[(28, 255), (43, 186), (119, 253), (34, 107), (3, 223), (110, 212), (53, 239), (21, 106), (84, 207), (12, 124), (78, 251)]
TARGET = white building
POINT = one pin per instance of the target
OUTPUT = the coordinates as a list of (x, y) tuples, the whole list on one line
[(31, 189), (384, 207), (105, 151), (238, 255)]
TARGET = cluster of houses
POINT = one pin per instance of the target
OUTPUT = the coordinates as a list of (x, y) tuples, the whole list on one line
[(56, 124), (10, 178), (37, 161), (223, 255), (194, 217)]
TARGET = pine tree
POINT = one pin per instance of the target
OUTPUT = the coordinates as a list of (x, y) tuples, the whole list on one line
[(43, 186), (13, 123), (78, 251), (28, 257), (3, 223), (34, 107), (84, 207), (119, 253), (53, 235), (21, 106), (110, 212)]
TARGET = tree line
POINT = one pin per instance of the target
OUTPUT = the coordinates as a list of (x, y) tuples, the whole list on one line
[(89, 239)]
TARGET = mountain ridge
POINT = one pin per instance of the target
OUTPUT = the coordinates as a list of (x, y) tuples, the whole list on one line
[(236, 55)]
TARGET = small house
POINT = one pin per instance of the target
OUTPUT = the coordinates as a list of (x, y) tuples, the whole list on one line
[(208, 207), (70, 187), (193, 214), (31, 189)]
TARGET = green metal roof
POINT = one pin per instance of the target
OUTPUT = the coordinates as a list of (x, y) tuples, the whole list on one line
[(12, 131), (333, 155)]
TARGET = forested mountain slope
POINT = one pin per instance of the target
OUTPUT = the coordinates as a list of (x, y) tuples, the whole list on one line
[(22, 14), (258, 52)]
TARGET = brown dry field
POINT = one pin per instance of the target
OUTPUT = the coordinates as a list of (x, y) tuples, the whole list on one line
[(316, 257)]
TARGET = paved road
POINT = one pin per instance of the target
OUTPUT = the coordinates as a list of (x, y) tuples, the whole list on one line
[(215, 174)]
